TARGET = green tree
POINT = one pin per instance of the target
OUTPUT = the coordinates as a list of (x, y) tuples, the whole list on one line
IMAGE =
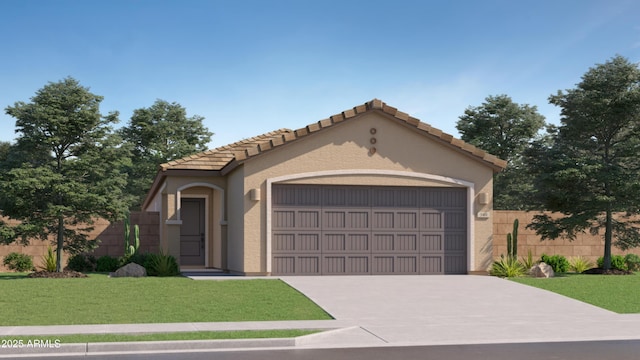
[(71, 174), (158, 134), (5, 150), (591, 170), (504, 129)]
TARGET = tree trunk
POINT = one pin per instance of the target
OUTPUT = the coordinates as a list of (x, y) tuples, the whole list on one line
[(60, 247), (606, 263)]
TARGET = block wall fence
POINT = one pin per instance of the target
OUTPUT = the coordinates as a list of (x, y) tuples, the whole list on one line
[(111, 238), (586, 245)]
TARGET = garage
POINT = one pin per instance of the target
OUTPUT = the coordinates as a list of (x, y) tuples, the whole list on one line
[(367, 230)]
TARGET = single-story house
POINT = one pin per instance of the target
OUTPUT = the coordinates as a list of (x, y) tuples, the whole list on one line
[(371, 190)]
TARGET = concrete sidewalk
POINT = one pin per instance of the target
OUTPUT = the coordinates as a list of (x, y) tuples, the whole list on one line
[(393, 311)]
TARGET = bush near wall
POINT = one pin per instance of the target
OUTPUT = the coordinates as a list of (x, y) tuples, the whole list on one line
[(588, 246), (111, 239)]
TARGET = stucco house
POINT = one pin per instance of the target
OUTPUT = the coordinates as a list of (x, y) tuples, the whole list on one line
[(371, 190)]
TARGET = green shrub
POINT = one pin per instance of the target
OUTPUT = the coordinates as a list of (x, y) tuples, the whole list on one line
[(632, 261), (161, 265), (107, 263), (528, 261), (137, 258), (18, 262), (617, 262), (579, 264), (559, 263), (508, 267), (49, 261), (82, 263)]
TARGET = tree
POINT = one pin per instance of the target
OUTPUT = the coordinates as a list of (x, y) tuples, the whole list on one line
[(590, 171), (159, 134), (5, 150), (504, 129), (71, 176)]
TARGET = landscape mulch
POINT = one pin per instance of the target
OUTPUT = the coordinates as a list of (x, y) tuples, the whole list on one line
[(57, 275), (601, 271)]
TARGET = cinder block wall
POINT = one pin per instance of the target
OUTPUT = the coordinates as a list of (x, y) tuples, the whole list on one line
[(111, 238), (586, 245)]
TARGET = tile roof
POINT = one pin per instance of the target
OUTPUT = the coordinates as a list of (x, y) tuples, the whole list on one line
[(218, 158)]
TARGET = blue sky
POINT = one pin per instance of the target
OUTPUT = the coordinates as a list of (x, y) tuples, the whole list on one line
[(250, 67)]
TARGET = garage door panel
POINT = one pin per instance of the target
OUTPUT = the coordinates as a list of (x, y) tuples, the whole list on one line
[(455, 242), (395, 264), (284, 265), (283, 242), (383, 264), (383, 220), (352, 242), (284, 219), (407, 220), (345, 264), (296, 242), (396, 242), (431, 264), (359, 264), (455, 220), (334, 265), (358, 219), (396, 220), (296, 264), (430, 243), (308, 219), (455, 264), (369, 230), (430, 220), (334, 220)]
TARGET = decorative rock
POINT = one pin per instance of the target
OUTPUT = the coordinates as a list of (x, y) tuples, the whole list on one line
[(130, 270), (542, 270)]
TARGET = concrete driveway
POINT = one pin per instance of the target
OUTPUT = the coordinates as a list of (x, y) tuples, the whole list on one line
[(404, 310)]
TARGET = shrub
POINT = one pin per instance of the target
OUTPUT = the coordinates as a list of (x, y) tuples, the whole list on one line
[(49, 262), (617, 262), (82, 263), (18, 262), (528, 261), (161, 265), (107, 263), (559, 263), (508, 267), (632, 261), (137, 258), (579, 264)]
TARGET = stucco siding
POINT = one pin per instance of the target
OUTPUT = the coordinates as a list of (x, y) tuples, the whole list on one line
[(236, 221), (348, 146)]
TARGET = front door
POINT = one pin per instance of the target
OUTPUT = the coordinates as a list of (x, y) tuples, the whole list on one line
[(192, 232)]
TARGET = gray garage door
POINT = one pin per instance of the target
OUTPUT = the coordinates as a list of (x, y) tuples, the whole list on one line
[(351, 230)]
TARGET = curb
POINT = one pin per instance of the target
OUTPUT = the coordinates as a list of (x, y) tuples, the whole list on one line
[(145, 346)]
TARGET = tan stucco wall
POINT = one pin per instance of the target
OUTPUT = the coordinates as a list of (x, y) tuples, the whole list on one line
[(170, 228), (347, 146), (236, 214)]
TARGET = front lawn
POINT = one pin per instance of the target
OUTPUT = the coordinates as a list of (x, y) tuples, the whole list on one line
[(618, 293), (99, 299)]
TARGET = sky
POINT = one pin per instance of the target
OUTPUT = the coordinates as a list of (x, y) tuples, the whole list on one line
[(253, 66)]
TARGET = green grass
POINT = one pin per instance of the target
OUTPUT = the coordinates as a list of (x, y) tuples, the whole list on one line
[(176, 336), (618, 293), (103, 300)]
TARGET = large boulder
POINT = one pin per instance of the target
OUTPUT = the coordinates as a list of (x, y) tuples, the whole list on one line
[(542, 270), (130, 270)]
